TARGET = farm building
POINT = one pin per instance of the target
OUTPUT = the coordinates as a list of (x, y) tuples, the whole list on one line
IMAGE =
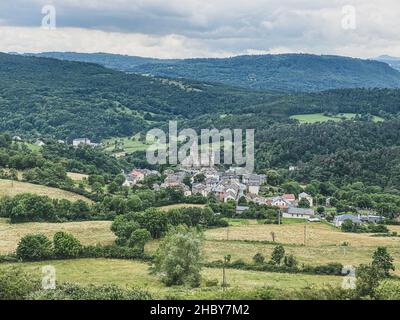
[(298, 213), (338, 221)]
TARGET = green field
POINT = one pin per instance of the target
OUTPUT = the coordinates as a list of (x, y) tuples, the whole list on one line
[(127, 144), (136, 274), (12, 188), (180, 206), (320, 117), (88, 232), (242, 240)]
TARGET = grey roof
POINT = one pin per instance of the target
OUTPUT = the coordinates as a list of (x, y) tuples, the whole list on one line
[(344, 217), (301, 211), (304, 195)]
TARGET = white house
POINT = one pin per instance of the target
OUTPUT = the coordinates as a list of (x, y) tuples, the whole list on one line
[(338, 221), (278, 202), (254, 189), (81, 141), (306, 196), (298, 213)]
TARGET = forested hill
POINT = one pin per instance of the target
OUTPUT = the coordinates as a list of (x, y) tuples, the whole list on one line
[(391, 61), (286, 72), (74, 99), (113, 61), (41, 96)]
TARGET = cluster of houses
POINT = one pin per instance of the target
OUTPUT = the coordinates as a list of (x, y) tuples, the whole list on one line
[(84, 142), (76, 142), (359, 219), (230, 185)]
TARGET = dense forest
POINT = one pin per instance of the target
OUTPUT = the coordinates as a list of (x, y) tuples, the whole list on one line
[(260, 72), (55, 99)]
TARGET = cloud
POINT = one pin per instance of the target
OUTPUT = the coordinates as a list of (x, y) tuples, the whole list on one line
[(198, 28), (23, 39)]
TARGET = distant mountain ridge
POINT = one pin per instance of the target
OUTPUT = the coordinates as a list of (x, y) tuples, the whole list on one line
[(391, 61), (284, 72)]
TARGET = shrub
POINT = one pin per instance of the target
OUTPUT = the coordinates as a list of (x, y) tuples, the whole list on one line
[(277, 255), (77, 292), (258, 258), (15, 284), (113, 252), (290, 261), (211, 283), (388, 290), (66, 245), (34, 248)]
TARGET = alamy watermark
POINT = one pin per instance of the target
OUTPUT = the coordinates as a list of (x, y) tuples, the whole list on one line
[(49, 21), (187, 149), (49, 278), (349, 20)]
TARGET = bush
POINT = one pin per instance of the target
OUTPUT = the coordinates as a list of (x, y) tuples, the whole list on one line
[(258, 258), (211, 283), (277, 255), (15, 284), (388, 290), (328, 269), (66, 245), (34, 248), (91, 292), (113, 252), (290, 261)]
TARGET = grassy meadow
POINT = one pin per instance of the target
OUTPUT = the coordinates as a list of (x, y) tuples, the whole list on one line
[(242, 240), (136, 274), (180, 206), (12, 188), (127, 144), (88, 232), (320, 117)]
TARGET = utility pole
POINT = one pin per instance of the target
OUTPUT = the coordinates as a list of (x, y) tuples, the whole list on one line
[(279, 217), (227, 259), (223, 277), (305, 234)]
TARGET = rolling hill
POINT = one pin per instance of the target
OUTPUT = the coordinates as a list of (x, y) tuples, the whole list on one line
[(66, 100), (13, 188), (391, 61), (285, 72), (40, 96)]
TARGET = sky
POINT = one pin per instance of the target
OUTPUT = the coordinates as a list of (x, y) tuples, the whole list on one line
[(202, 28)]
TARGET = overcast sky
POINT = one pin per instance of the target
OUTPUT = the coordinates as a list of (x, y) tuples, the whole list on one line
[(204, 28)]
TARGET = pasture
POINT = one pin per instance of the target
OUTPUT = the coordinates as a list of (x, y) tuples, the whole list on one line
[(320, 117), (242, 240), (88, 232), (12, 188), (180, 206), (127, 144), (136, 274)]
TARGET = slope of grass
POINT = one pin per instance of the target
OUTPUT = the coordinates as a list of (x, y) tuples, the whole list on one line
[(127, 144), (181, 205), (320, 117), (12, 188), (77, 177), (324, 244), (88, 232), (133, 273)]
